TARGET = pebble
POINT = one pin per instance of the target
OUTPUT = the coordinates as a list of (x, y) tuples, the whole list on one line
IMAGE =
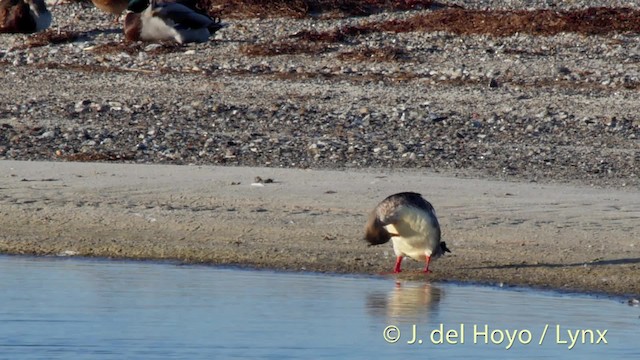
[(464, 104)]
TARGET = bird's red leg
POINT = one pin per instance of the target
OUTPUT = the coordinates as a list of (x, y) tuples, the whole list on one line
[(426, 267), (396, 269)]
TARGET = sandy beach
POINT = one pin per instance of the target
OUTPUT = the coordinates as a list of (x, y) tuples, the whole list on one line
[(565, 237)]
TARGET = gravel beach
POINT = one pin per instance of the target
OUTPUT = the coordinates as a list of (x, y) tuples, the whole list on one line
[(492, 112)]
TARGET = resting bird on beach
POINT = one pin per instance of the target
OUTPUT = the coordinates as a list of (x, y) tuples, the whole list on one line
[(23, 16), (177, 20), (411, 223), (114, 7)]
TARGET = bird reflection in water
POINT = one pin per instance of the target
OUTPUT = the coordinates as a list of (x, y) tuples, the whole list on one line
[(408, 302)]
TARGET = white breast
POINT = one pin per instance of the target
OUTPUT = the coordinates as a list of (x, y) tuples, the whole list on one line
[(155, 29), (418, 233)]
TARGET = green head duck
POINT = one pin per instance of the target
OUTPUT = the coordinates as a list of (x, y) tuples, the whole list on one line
[(138, 6)]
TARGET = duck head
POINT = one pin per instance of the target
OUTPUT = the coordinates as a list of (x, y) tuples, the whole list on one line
[(138, 6), (375, 233)]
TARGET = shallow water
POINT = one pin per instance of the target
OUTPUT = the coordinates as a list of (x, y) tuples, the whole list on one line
[(64, 308)]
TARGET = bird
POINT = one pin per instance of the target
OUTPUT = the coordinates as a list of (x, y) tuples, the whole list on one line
[(114, 7), (178, 20), (410, 222), (407, 301), (24, 16)]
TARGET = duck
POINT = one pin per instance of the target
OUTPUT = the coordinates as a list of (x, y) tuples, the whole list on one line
[(24, 16), (410, 222), (178, 20), (114, 7)]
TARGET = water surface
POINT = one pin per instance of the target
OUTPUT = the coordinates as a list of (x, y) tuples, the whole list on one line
[(65, 308)]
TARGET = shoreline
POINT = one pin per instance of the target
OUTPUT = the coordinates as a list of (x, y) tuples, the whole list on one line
[(621, 298), (542, 236)]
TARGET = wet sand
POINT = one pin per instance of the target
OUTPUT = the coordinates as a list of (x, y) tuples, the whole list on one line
[(565, 237)]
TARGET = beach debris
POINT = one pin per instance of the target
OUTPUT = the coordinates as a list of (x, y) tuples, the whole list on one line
[(259, 181), (67, 253), (145, 217), (45, 179)]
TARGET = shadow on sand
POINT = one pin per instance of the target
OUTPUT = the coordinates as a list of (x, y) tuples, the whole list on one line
[(547, 265)]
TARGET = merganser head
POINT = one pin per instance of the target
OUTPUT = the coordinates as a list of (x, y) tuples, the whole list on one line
[(138, 6)]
